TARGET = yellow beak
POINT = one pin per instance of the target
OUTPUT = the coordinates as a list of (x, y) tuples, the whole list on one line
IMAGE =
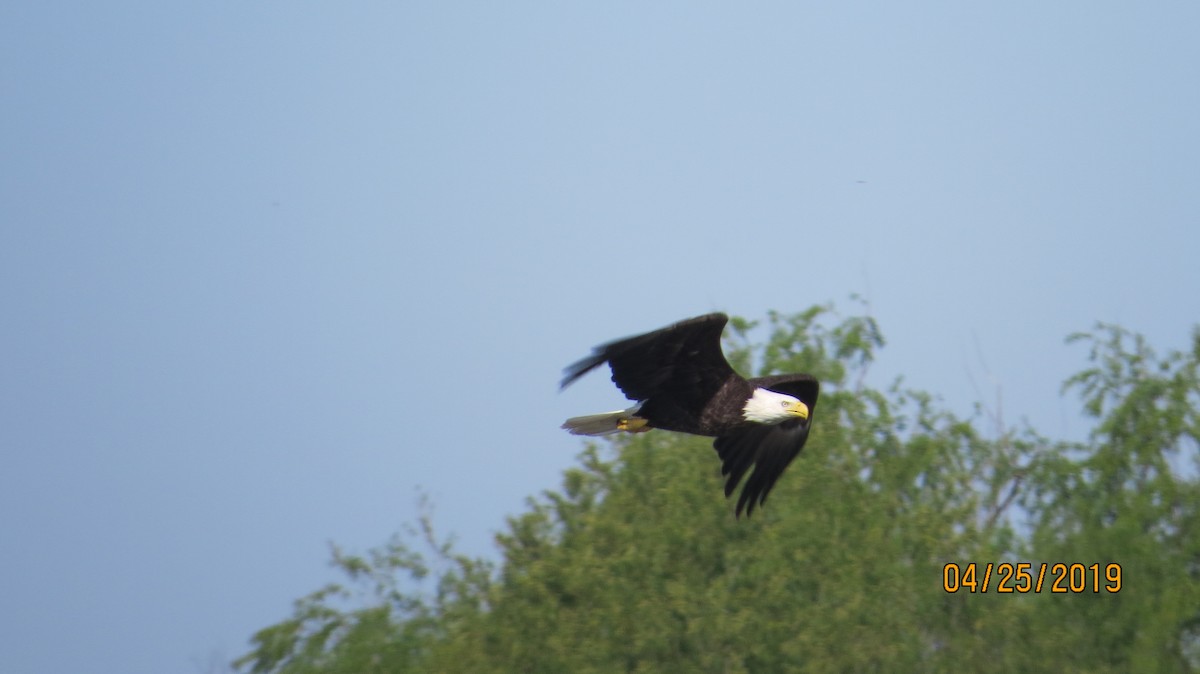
[(799, 409)]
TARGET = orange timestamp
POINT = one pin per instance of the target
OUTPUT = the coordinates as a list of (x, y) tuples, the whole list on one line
[(1058, 578)]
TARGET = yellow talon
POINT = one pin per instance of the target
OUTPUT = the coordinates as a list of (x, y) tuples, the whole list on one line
[(633, 425)]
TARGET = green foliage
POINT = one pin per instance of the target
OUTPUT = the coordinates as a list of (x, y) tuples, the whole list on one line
[(637, 565), (1131, 496)]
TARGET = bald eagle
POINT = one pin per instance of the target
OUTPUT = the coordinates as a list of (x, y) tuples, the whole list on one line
[(680, 381)]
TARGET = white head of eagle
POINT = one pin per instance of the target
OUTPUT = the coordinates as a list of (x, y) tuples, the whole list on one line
[(769, 407)]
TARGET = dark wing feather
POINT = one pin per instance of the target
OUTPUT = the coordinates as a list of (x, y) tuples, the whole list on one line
[(683, 361), (769, 448), (803, 386)]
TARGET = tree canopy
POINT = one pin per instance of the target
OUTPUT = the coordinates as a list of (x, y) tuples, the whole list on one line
[(636, 564)]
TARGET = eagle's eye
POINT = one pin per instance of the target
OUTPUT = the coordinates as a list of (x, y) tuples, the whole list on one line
[(783, 403)]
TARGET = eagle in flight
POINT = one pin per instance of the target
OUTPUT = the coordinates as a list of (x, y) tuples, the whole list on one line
[(680, 381)]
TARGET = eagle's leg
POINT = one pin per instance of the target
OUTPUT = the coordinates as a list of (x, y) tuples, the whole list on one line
[(633, 425)]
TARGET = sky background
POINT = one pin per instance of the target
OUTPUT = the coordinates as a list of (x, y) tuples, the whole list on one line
[(270, 269)]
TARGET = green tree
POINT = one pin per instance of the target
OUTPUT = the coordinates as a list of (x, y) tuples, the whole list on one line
[(1129, 496), (637, 565)]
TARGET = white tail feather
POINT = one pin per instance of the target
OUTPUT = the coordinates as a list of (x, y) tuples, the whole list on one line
[(594, 424), (599, 424)]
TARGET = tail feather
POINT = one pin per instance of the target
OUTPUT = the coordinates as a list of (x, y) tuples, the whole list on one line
[(595, 424), (603, 424)]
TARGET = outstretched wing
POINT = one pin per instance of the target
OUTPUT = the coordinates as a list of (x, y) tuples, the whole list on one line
[(768, 448), (683, 361)]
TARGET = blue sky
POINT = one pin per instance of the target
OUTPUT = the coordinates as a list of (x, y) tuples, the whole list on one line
[(267, 269)]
